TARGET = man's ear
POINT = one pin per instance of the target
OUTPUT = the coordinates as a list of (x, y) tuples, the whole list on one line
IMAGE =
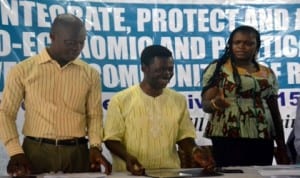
[(144, 68), (52, 36)]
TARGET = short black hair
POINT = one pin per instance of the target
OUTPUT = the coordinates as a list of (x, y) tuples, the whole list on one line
[(150, 52)]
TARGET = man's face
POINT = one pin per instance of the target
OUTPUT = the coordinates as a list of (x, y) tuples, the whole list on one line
[(159, 73), (68, 43)]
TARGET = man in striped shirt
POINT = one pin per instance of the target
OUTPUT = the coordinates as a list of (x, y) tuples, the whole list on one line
[(62, 97)]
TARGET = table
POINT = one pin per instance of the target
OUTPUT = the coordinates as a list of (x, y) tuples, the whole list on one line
[(249, 172)]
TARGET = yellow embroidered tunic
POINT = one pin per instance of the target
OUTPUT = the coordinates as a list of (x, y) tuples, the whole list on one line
[(149, 127)]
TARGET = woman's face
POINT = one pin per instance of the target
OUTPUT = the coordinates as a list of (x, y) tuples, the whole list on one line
[(244, 46)]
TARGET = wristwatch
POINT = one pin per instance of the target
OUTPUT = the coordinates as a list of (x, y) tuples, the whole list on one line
[(97, 146)]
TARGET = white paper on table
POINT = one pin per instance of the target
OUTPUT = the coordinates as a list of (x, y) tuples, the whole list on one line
[(75, 175), (279, 170)]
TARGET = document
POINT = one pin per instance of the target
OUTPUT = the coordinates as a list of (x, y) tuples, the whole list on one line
[(179, 173), (279, 170)]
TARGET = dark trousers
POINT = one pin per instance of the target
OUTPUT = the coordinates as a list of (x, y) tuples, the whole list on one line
[(242, 152), (46, 158)]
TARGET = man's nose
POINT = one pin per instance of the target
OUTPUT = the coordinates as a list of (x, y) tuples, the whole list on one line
[(77, 46)]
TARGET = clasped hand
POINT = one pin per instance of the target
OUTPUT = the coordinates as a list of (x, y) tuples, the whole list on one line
[(219, 100)]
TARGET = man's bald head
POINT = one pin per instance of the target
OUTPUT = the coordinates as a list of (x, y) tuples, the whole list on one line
[(63, 21)]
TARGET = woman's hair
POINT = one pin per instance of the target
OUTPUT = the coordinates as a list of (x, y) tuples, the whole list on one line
[(228, 55)]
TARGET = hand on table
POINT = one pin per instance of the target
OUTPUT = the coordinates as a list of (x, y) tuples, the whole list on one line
[(282, 156), (204, 158), (97, 159), (18, 165), (134, 166)]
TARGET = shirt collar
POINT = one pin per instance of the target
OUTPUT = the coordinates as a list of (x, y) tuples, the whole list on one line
[(45, 57)]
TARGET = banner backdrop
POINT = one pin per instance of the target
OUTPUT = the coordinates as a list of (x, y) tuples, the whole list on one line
[(196, 32)]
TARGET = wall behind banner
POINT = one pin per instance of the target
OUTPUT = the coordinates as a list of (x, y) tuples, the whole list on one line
[(196, 33)]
